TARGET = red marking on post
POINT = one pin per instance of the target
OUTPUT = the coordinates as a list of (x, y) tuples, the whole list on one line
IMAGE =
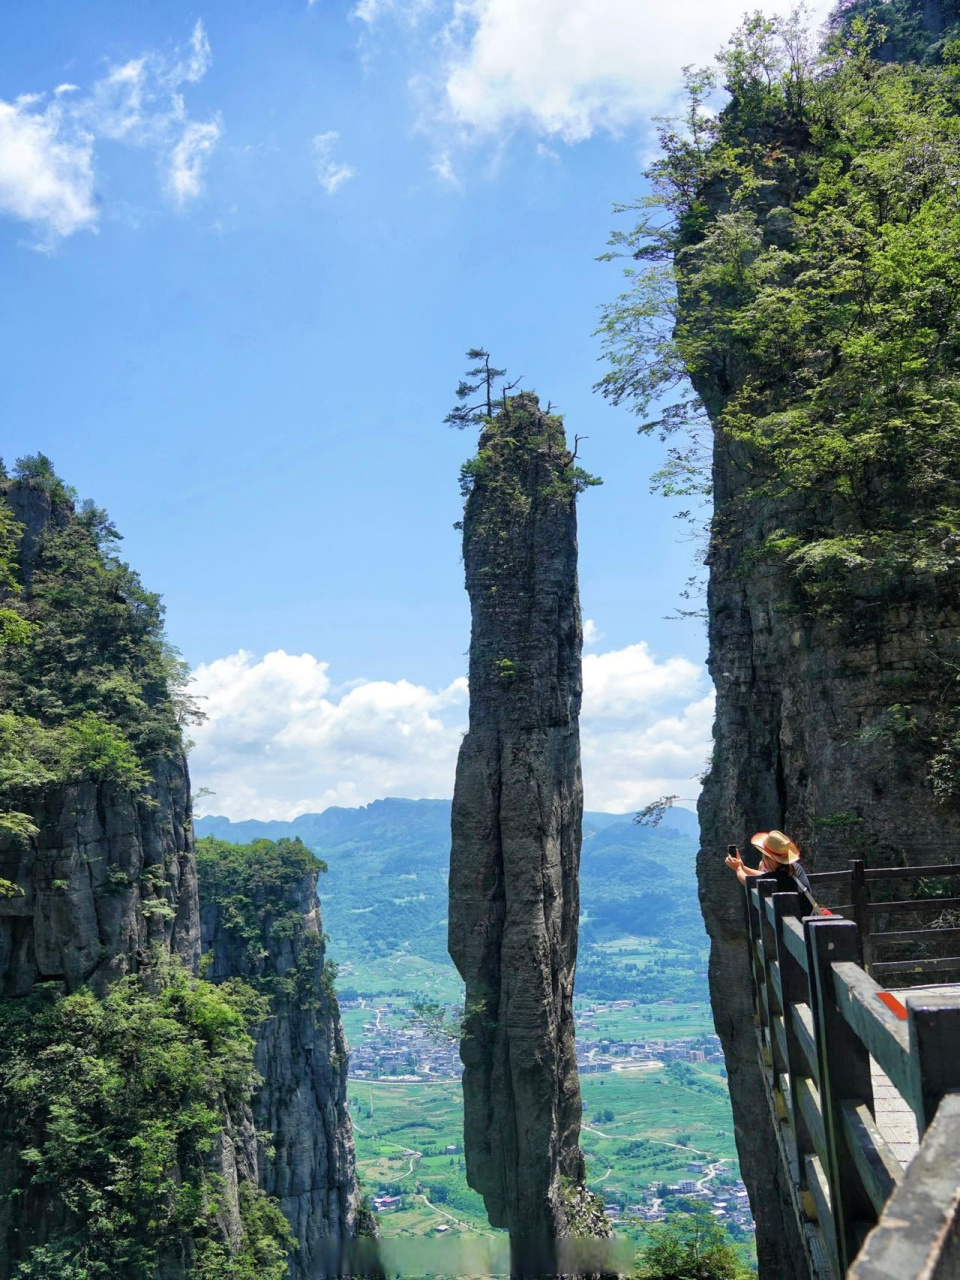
[(893, 1004)]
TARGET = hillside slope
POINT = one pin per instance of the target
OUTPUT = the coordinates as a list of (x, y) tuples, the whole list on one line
[(386, 885)]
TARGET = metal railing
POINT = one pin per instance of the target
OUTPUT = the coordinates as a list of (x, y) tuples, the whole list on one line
[(820, 1019)]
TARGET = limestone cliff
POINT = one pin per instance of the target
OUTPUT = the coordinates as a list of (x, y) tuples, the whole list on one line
[(799, 265), (517, 808), (834, 606), (97, 885), (260, 921)]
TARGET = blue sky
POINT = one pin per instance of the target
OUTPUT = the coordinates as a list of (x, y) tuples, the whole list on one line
[(244, 247)]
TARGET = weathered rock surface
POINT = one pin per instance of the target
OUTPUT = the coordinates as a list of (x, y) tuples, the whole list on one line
[(302, 1056), (802, 743), (517, 808), (107, 887)]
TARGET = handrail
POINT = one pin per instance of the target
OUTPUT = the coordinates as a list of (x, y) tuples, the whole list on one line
[(874, 918), (917, 1234), (820, 1021)]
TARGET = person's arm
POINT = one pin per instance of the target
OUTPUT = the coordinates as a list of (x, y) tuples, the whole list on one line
[(735, 863)]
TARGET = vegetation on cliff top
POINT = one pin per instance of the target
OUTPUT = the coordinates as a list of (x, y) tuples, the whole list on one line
[(516, 440), (258, 890), (801, 268), (90, 687), (798, 263)]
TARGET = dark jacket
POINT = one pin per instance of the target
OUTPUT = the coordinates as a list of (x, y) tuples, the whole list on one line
[(791, 879)]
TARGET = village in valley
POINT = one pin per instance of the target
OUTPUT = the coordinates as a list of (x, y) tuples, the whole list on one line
[(393, 1046), (395, 1043)]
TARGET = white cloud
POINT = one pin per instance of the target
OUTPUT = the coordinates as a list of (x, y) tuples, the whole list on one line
[(46, 172), (407, 11), (282, 739), (622, 683), (627, 766), (188, 158), (330, 175), (443, 168), (47, 142), (199, 56), (565, 68), (591, 632)]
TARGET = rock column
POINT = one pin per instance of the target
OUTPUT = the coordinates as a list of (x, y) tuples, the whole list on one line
[(517, 810), (301, 1053)]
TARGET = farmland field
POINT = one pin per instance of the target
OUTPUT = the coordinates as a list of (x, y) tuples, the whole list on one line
[(662, 1120)]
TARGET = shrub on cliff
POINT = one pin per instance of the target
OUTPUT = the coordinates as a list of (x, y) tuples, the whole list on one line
[(793, 281), (116, 1105)]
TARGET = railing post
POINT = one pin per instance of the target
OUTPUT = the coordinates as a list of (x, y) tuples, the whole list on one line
[(934, 1030), (770, 1005), (794, 987), (752, 936), (844, 1064), (861, 914)]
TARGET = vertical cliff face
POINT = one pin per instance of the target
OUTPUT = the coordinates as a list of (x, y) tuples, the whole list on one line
[(260, 921), (98, 897), (107, 885), (517, 809), (811, 230), (834, 593)]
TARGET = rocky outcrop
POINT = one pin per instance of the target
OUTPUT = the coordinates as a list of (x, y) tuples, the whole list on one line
[(825, 709), (301, 1054), (107, 885), (104, 886), (514, 899)]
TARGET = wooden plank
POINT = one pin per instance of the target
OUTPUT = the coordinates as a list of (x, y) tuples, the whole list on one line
[(933, 1021), (823, 877), (794, 941), (917, 935), (861, 915), (922, 906), (912, 873), (844, 1074), (878, 1166), (820, 1194), (780, 1037), (803, 1029), (916, 966), (807, 1102), (773, 974), (884, 1034), (795, 991), (918, 1235)]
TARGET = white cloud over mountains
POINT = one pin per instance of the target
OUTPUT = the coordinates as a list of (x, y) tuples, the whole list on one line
[(48, 141), (565, 68), (282, 739)]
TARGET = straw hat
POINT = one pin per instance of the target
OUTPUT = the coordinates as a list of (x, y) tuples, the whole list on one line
[(776, 846)]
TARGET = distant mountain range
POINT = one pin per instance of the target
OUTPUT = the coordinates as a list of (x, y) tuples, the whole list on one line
[(387, 879)]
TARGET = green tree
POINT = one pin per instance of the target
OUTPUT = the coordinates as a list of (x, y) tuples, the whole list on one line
[(791, 309), (116, 1105), (482, 378), (690, 1246)]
